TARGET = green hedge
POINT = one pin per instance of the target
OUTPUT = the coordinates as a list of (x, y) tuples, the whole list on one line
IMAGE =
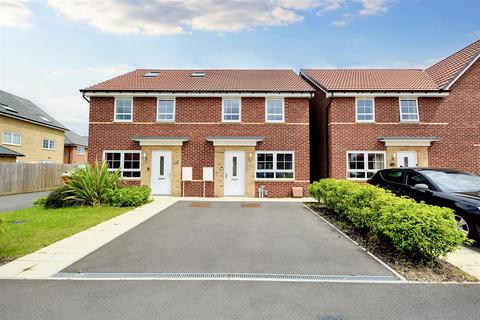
[(413, 228), (129, 197)]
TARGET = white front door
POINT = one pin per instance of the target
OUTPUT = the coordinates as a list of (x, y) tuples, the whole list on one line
[(406, 159), (161, 172), (234, 183)]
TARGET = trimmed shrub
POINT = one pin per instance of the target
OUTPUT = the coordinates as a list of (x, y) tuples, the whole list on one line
[(40, 201), (59, 199), (130, 196), (92, 184), (417, 229)]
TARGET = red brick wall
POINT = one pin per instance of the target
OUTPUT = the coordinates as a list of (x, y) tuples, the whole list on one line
[(198, 118), (70, 155), (454, 119)]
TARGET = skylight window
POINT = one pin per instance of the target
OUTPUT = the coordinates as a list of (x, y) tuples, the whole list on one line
[(44, 118), (151, 74), (198, 74), (8, 108)]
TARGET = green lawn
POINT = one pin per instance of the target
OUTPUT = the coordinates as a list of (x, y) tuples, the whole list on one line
[(45, 226)]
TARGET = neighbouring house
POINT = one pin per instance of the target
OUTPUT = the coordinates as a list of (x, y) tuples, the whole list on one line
[(204, 132), (7, 155), (368, 119), (75, 148), (30, 131)]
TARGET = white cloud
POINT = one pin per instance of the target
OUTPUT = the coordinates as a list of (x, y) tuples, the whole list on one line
[(373, 7), (339, 23), (162, 17), (15, 14), (165, 17)]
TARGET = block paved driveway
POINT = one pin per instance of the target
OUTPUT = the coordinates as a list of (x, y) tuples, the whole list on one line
[(226, 237)]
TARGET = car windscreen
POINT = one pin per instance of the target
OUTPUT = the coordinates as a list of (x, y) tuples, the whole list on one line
[(454, 181)]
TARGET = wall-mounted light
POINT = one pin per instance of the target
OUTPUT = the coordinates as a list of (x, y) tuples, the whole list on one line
[(144, 156), (250, 156)]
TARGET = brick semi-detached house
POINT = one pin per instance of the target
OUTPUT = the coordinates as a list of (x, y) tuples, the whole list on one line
[(209, 132), (367, 119)]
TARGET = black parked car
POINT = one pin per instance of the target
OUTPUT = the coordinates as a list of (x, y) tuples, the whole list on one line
[(441, 187)]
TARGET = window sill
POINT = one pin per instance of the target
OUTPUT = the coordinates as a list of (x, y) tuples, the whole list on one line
[(359, 121), (165, 121), (12, 144), (411, 121), (122, 121), (49, 149)]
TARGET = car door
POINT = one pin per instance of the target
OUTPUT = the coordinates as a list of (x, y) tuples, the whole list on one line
[(394, 180), (413, 178)]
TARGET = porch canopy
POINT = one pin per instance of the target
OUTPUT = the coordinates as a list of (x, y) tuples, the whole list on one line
[(408, 141), (160, 140), (235, 141)]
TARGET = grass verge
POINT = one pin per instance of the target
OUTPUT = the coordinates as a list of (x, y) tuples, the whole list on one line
[(437, 270), (27, 230)]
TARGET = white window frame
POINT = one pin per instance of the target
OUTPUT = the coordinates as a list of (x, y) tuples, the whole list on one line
[(174, 108), (365, 159), (81, 148), (115, 110), (122, 158), (11, 138), (274, 170), (239, 109), (400, 109), (283, 109), (356, 109), (49, 144)]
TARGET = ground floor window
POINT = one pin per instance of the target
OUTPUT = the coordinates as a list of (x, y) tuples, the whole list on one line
[(274, 165), (127, 161), (364, 164)]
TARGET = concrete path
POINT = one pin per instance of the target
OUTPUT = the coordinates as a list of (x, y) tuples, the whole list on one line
[(232, 237), (467, 259), (20, 201), (81, 300)]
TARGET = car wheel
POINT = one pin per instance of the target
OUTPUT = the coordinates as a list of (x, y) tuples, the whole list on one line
[(464, 225)]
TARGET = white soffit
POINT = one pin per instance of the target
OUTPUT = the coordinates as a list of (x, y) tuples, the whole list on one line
[(89, 94), (387, 94)]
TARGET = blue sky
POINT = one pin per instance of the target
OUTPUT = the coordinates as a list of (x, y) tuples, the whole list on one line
[(50, 49)]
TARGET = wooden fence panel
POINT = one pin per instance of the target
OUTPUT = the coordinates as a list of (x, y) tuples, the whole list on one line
[(30, 177)]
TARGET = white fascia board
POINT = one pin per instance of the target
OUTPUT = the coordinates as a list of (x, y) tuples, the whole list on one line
[(408, 142), (160, 142), (234, 142), (388, 94), (198, 94), (449, 85)]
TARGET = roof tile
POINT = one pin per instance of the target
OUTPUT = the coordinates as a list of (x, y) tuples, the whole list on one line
[(214, 81)]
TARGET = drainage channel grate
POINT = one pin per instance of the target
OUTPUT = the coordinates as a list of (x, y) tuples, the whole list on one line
[(227, 276)]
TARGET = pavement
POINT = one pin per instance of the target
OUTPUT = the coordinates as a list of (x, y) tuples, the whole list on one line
[(227, 237), (72, 300), (467, 259), (20, 201)]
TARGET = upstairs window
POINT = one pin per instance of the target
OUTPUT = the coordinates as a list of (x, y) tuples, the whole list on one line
[(365, 110), (275, 111), (128, 162), (409, 110), (166, 110), (48, 144), (231, 110), (123, 109), (12, 138)]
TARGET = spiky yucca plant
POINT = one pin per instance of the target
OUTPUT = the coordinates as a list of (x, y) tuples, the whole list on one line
[(91, 184)]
